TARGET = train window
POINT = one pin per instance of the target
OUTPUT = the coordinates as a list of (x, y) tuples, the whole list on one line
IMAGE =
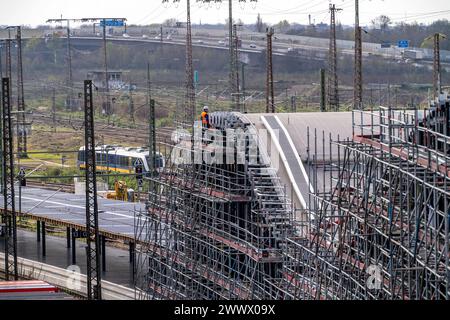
[(123, 161), (81, 156), (112, 160), (99, 158)]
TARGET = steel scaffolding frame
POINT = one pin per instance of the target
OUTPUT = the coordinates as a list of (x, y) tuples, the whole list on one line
[(212, 231), (380, 215), (376, 225)]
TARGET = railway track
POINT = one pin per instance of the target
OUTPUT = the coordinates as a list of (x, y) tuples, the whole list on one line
[(62, 187), (138, 134)]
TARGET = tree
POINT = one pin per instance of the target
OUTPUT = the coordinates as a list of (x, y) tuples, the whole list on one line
[(382, 22), (282, 26), (259, 24), (170, 22)]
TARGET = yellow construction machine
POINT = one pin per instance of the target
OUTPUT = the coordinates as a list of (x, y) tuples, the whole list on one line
[(120, 192)]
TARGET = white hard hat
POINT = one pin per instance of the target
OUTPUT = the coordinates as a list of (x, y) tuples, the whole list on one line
[(205, 108)]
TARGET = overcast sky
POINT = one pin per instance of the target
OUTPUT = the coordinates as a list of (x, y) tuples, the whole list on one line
[(34, 12)]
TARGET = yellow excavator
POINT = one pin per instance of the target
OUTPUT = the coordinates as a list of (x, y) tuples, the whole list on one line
[(120, 192)]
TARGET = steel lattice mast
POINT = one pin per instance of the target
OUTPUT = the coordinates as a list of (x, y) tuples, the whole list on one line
[(190, 89), (357, 88), (437, 65), (189, 107), (236, 92), (9, 213), (69, 69), (234, 65), (21, 130), (94, 290), (333, 84), (270, 99)]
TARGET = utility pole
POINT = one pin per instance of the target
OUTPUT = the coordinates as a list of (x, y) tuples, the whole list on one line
[(333, 84), (21, 130), (94, 273), (243, 87), (322, 91), (293, 104), (131, 103), (54, 109), (1, 122), (8, 60), (270, 99), (9, 211), (189, 110), (437, 66), (1, 59), (437, 85), (190, 89), (107, 106), (152, 149), (149, 84), (69, 70), (233, 62), (357, 84)]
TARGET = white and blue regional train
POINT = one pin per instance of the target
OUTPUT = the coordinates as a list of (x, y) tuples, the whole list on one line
[(119, 159)]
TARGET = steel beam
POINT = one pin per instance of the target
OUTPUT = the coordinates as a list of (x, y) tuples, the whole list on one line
[(74, 247), (103, 253), (44, 244), (68, 236)]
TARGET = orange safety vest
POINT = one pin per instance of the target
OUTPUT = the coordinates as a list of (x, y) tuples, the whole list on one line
[(205, 118)]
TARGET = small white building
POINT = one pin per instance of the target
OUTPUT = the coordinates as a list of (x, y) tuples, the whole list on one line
[(115, 79)]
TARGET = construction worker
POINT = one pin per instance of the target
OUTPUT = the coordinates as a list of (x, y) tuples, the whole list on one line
[(205, 118), (205, 124)]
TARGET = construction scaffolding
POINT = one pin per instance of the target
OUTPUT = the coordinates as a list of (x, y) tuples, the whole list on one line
[(378, 222), (376, 225), (213, 230)]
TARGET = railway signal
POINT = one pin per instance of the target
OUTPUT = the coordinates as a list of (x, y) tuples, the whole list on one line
[(22, 179), (138, 168)]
